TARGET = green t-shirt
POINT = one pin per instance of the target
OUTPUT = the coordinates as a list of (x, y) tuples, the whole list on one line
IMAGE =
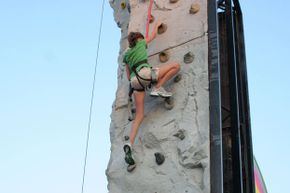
[(136, 54)]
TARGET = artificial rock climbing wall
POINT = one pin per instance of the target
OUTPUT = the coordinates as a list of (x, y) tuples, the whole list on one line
[(181, 134)]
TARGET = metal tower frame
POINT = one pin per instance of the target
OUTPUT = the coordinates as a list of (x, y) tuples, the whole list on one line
[(232, 168)]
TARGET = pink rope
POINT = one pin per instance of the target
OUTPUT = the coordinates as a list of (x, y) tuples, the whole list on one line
[(148, 18)]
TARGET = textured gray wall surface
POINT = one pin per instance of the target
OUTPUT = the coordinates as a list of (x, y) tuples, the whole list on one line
[(186, 167)]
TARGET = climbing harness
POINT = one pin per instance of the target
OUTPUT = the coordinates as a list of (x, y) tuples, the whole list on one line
[(92, 98), (134, 69), (152, 79)]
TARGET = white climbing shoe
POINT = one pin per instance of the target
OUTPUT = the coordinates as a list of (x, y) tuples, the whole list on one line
[(160, 92)]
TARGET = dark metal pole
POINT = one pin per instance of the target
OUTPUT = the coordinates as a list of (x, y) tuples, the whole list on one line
[(248, 159), (237, 7), (216, 159), (234, 101)]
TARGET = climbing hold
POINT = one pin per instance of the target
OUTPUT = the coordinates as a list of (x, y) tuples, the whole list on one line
[(132, 114), (180, 134), (194, 8), (131, 110), (123, 5), (173, 1), (177, 78), (152, 18), (162, 28), (188, 58), (129, 8), (126, 137), (163, 56), (169, 103), (119, 24), (159, 158), (130, 168)]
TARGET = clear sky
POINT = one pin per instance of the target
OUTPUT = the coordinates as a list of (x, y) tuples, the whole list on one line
[(47, 57)]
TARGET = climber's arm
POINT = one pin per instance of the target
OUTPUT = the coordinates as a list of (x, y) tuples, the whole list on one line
[(153, 33), (127, 71)]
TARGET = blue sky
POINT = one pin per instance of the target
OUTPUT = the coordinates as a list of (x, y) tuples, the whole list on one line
[(47, 57)]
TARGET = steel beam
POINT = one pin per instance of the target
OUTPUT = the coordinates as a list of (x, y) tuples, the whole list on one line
[(234, 102), (216, 159), (246, 133)]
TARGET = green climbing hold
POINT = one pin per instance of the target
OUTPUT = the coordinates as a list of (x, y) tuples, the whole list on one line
[(159, 158), (177, 78)]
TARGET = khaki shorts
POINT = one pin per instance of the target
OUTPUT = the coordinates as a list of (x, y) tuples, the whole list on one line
[(146, 74)]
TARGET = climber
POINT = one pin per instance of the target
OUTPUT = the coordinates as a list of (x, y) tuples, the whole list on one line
[(141, 74)]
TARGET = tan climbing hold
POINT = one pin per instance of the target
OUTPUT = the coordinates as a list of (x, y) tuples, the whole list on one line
[(188, 58), (164, 56), (130, 168), (162, 28), (152, 18), (194, 8), (123, 5), (173, 1)]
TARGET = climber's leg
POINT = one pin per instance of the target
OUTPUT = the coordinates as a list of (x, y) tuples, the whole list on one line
[(166, 72), (139, 102)]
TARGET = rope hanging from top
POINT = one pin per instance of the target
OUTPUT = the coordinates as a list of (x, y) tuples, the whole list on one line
[(148, 18), (92, 98)]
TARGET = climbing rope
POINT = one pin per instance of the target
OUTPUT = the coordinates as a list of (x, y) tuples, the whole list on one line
[(92, 98), (148, 18)]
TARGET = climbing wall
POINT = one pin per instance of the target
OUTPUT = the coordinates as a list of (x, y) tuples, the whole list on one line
[(180, 133)]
